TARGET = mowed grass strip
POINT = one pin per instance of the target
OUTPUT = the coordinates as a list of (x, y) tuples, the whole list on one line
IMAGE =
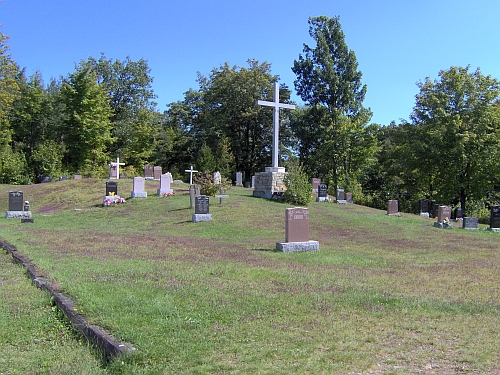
[(383, 294)]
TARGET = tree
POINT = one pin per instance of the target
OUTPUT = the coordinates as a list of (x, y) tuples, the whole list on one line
[(328, 80), (457, 127), (87, 125)]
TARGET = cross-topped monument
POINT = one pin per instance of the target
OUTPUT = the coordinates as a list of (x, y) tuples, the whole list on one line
[(191, 171), (276, 123), (115, 166)]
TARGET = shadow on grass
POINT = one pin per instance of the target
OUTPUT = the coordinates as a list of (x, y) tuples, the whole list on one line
[(268, 249)]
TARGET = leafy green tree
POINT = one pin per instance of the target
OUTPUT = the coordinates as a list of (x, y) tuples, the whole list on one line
[(206, 160), (87, 126), (328, 80), (457, 129), (298, 185), (224, 158)]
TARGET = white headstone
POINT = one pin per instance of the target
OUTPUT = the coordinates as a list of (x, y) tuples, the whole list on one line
[(217, 178), (276, 124), (138, 188), (239, 179), (165, 181)]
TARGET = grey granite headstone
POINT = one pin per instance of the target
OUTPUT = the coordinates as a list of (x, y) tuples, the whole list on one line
[(470, 223), (392, 207), (194, 191), (239, 179), (341, 196), (16, 200), (201, 209)]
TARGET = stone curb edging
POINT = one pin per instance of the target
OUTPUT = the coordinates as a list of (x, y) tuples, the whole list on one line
[(104, 342)]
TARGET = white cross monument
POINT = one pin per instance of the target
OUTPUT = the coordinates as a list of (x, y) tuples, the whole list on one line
[(276, 124), (191, 171), (117, 166)]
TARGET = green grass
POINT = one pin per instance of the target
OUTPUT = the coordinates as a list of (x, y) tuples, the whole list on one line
[(383, 294)]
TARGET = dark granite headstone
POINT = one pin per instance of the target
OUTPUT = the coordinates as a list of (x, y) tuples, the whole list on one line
[(16, 200), (340, 194), (27, 220), (458, 213), (495, 217), (435, 209), (45, 179), (423, 205), (63, 178), (148, 172), (392, 207), (201, 205), (297, 224), (470, 223), (322, 190), (111, 187)]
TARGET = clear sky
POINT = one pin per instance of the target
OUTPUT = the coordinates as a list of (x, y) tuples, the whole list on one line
[(397, 42)]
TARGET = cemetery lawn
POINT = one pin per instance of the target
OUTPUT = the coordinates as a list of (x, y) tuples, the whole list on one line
[(384, 294)]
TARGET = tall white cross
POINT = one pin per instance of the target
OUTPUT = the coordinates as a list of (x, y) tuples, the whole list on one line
[(191, 171), (117, 165), (276, 119)]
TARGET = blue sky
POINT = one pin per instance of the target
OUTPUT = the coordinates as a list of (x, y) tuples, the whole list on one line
[(397, 42)]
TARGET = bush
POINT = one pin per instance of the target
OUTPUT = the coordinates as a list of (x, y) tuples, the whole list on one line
[(207, 185), (298, 188)]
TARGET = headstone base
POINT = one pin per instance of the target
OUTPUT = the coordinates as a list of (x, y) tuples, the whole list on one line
[(493, 229), (293, 247), (425, 214), (322, 199), (18, 214), (201, 217), (341, 201), (164, 191), (139, 194), (149, 178), (443, 225)]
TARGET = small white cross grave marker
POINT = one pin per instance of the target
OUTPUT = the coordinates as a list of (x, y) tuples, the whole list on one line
[(191, 171), (117, 166), (276, 120)]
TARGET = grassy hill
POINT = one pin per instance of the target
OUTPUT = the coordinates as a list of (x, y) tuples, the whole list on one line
[(384, 294)]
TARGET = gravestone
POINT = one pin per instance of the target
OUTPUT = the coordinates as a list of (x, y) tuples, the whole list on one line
[(444, 216), (348, 197), (495, 219), (165, 181), (138, 188), (45, 178), (423, 205), (157, 172), (435, 209), (458, 213), (194, 191), (341, 196), (63, 178), (392, 207), (77, 177), (253, 182), (111, 188), (114, 169), (17, 205), (315, 184), (239, 179), (148, 172), (201, 209), (322, 193), (297, 232), (470, 223), (217, 178)]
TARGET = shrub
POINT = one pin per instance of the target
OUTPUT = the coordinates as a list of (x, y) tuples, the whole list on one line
[(298, 188)]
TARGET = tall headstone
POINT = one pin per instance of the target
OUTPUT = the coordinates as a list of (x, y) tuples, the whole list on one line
[(443, 217), (138, 188), (148, 172), (495, 218), (348, 197), (239, 179), (315, 184), (157, 172), (194, 191), (201, 209), (423, 205), (253, 182), (392, 207), (217, 178), (322, 193), (271, 181), (165, 181), (297, 232)]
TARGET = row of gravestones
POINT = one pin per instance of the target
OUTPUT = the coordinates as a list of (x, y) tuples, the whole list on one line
[(443, 214), (322, 190)]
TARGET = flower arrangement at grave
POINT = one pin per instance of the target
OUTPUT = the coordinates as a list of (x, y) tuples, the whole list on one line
[(111, 198), (165, 194)]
